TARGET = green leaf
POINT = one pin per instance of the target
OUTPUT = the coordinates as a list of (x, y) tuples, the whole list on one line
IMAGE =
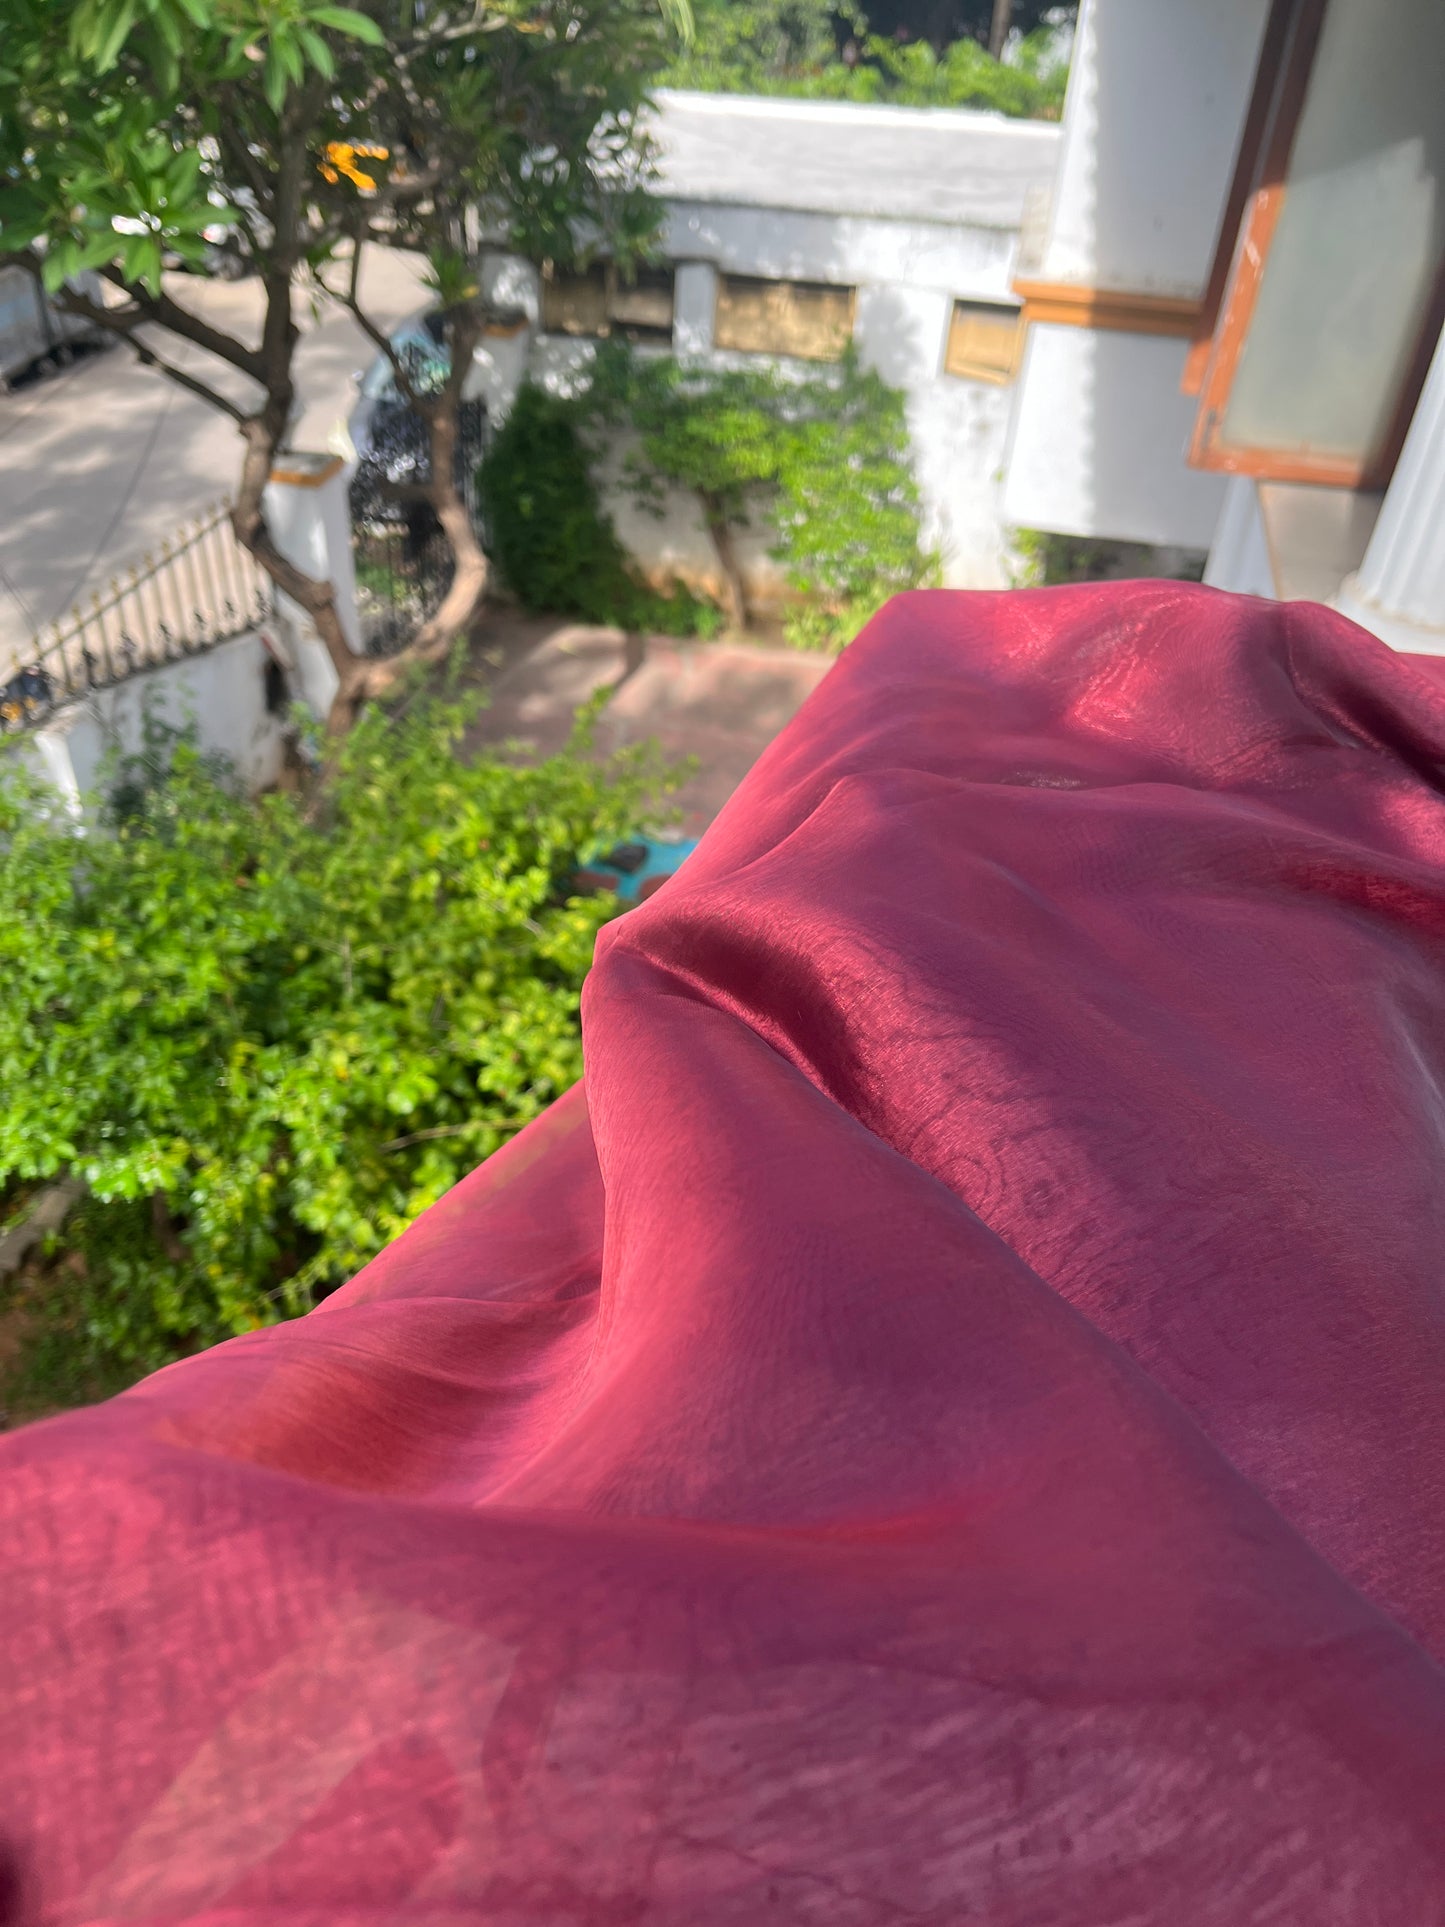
[(21, 229), (273, 80), (97, 251), (141, 260), (168, 28), (317, 52), (57, 266), (185, 177), (289, 54), (348, 21), (109, 46)]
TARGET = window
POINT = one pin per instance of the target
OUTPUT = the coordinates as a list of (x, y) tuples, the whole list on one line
[(1336, 285), (984, 341), (808, 319), (596, 302)]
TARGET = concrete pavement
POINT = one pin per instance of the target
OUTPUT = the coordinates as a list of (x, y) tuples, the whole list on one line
[(102, 462)]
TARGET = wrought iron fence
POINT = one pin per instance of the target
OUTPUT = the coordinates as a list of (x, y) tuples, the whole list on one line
[(198, 590), (403, 563)]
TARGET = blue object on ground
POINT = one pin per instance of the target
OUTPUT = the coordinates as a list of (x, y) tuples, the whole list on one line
[(662, 859)]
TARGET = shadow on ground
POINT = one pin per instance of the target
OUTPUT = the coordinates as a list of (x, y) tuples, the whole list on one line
[(722, 702)]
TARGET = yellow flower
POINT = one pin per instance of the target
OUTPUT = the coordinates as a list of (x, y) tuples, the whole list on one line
[(341, 157)]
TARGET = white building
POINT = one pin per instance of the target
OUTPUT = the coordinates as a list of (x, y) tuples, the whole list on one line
[(793, 226), (1233, 306)]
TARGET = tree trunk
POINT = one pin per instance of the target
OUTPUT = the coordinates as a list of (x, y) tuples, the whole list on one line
[(941, 24), (999, 26), (720, 529)]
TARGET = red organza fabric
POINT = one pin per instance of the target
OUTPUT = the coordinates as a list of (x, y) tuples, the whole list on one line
[(948, 1427)]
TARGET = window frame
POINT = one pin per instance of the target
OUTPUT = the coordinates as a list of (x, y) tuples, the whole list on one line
[(1252, 212), (1014, 311)]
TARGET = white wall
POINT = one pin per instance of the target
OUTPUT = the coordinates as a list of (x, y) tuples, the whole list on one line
[(222, 692), (1098, 439), (1399, 589), (1158, 95), (1239, 557), (956, 167), (907, 273), (848, 249), (309, 517)]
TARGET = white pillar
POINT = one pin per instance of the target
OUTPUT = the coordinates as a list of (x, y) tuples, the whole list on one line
[(1398, 591), (310, 522), (694, 296), (1239, 554)]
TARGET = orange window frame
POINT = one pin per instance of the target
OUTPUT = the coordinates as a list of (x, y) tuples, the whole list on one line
[(1282, 16), (1252, 211)]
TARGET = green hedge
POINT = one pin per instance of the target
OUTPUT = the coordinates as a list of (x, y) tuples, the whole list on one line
[(267, 1034), (822, 460), (556, 548)]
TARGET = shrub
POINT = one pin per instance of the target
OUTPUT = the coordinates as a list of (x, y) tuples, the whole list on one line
[(556, 548), (266, 1035), (776, 47), (847, 509), (825, 457), (1047, 560)]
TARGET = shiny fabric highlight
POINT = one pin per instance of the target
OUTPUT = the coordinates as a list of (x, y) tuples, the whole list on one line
[(947, 1426)]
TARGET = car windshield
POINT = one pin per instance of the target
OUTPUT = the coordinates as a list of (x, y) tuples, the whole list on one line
[(426, 360)]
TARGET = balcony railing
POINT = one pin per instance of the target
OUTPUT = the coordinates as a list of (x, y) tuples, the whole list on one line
[(198, 590)]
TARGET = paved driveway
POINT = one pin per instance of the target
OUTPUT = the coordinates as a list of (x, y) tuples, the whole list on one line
[(100, 463)]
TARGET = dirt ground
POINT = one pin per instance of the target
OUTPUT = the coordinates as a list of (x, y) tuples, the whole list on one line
[(722, 702)]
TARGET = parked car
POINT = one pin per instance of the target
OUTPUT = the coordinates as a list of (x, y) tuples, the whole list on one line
[(420, 342), (33, 330)]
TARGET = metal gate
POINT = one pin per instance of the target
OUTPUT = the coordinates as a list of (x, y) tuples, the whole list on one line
[(403, 564)]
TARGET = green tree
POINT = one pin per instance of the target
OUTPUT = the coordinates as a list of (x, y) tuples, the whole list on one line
[(266, 1036), (910, 56), (942, 22), (718, 434), (759, 46), (309, 130), (825, 458)]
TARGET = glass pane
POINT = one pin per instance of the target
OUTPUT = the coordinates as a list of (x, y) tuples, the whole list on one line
[(1360, 237)]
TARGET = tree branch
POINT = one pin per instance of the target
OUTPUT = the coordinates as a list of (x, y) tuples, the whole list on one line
[(377, 336), (118, 324), (169, 314), (236, 145), (150, 359)]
